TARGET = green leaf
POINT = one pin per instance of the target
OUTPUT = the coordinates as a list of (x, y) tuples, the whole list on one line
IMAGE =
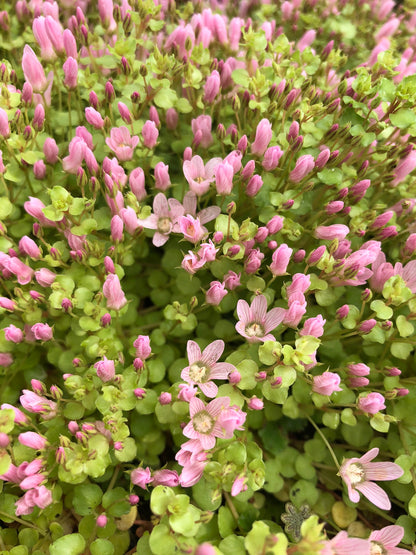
[(31, 157), (52, 213), (403, 118), (240, 77), (331, 176), (5, 461), (226, 522), (412, 506), (101, 546), (401, 350), (161, 542), (6, 208), (87, 226), (77, 206), (6, 421), (382, 311), (86, 498), (73, 544), (405, 327), (184, 106), (165, 98), (161, 497)]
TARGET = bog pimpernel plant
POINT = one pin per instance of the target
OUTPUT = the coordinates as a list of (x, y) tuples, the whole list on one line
[(208, 277)]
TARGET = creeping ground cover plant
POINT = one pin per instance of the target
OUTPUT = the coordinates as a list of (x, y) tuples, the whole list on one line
[(208, 277)]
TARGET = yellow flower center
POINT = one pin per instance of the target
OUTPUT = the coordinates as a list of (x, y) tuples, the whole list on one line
[(203, 422), (163, 225), (356, 473), (255, 330), (198, 372), (377, 549)]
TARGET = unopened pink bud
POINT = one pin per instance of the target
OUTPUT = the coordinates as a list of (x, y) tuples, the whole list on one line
[(134, 499), (342, 312), (124, 112), (4, 124), (28, 247), (316, 255), (372, 403), (150, 134), (215, 293), (367, 325), (101, 521), (218, 236), (248, 170), (359, 189), (293, 132), (172, 119), (358, 369), (4, 440), (66, 304), (38, 117), (42, 332), (70, 68), (275, 224), (242, 144), (334, 206), (304, 165), (33, 70), (261, 235), (94, 118), (50, 150), (139, 393), (234, 377), (138, 363), (13, 334), (165, 398), (212, 87), (105, 369), (326, 384), (116, 228), (105, 320), (255, 404), (254, 186), (322, 158), (331, 232), (33, 440), (299, 256), (187, 154), (137, 185), (162, 179), (393, 371), (280, 260), (39, 169), (263, 137)]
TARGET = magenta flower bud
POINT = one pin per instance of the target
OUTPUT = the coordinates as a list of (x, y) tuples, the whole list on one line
[(358, 382), (404, 167), (27, 93), (165, 398), (215, 293), (28, 247), (45, 277), (73, 427), (331, 232), (6, 360), (101, 521), (389, 231), (410, 245), (333, 207), (393, 371), (248, 170), (326, 384), (261, 235), (162, 179), (254, 186), (105, 320), (275, 224), (109, 92), (242, 144), (138, 363), (322, 158), (372, 403), (402, 392), (304, 165), (154, 116), (271, 158), (187, 154), (212, 87), (39, 170), (139, 393), (150, 134), (299, 256), (359, 189), (66, 304), (93, 98), (358, 369), (38, 117), (290, 98), (255, 404), (116, 228), (70, 44), (288, 204), (33, 440), (50, 150), (272, 245), (293, 132), (382, 219), (234, 377), (165, 477), (70, 68), (136, 182), (105, 369), (33, 70), (263, 137), (13, 334), (280, 260), (4, 124), (224, 175), (113, 293), (7, 304), (141, 477), (367, 325), (218, 236), (109, 265), (172, 119), (316, 255), (134, 499), (124, 112), (42, 332)]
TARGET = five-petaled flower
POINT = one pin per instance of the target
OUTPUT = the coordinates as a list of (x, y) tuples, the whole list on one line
[(255, 322), (359, 473), (205, 425)]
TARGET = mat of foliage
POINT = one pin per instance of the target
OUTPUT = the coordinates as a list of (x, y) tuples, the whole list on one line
[(208, 277)]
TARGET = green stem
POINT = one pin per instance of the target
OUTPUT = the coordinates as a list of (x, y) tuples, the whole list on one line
[(24, 522), (325, 441)]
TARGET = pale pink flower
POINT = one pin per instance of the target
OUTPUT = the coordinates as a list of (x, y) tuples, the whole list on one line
[(164, 219), (192, 262), (162, 179), (326, 383), (13, 333), (201, 128), (141, 477), (330, 232), (33, 70), (359, 473), (203, 367), (191, 228), (215, 293), (384, 541), (122, 143), (204, 424), (372, 403), (232, 280), (39, 496), (150, 133), (42, 332), (205, 215), (304, 165), (238, 486), (105, 369), (166, 477), (36, 403), (255, 322), (341, 544), (207, 251), (313, 326), (113, 292), (280, 260), (198, 175), (263, 137), (33, 440)]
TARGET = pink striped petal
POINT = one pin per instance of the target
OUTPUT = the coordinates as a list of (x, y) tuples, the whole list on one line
[(212, 352), (273, 318), (375, 494), (259, 308), (243, 311), (195, 406), (194, 352), (209, 389), (381, 471)]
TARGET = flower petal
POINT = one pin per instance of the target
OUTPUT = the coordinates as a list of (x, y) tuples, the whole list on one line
[(367, 457), (195, 406), (273, 318), (194, 352), (375, 494), (209, 389), (217, 405), (160, 205), (259, 308), (221, 370), (380, 471), (212, 352), (208, 214), (243, 311), (389, 536)]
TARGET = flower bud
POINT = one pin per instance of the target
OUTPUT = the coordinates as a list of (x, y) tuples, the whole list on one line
[(105, 369), (215, 293), (101, 521), (165, 398)]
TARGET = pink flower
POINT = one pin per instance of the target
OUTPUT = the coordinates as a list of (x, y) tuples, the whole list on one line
[(150, 134), (326, 383), (45, 277), (201, 128), (113, 292), (94, 118), (33, 70), (341, 544), (142, 346), (122, 143), (263, 137), (203, 367), (212, 87), (359, 369), (224, 178), (232, 280), (403, 168), (105, 369), (271, 158), (165, 477), (384, 541), (136, 182), (198, 175), (14, 334), (238, 486), (42, 332), (164, 219), (280, 260), (33, 440), (36, 403), (19, 416), (372, 403), (39, 496), (70, 68), (191, 228), (255, 322), (162, 179), (304, 165), (330, 232), (313, 326), (359, 473), (215, 293), (204, 425), (141, 477)]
